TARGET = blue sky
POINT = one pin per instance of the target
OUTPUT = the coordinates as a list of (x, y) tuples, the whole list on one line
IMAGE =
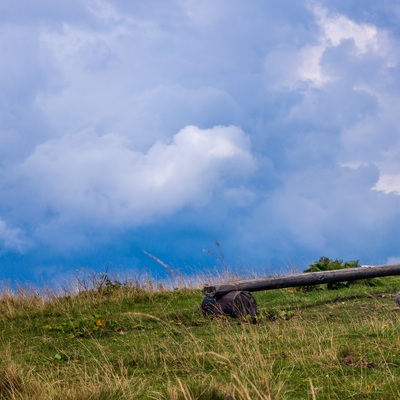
[(164, 126)]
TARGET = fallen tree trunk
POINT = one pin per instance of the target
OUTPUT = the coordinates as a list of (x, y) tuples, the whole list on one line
[(304, 279), (235, 299)]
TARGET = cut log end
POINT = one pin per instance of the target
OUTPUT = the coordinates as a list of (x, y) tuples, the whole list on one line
[(237, 304), (398, 299)]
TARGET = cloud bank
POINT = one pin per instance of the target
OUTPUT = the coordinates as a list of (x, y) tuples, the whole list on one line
[(164, 126), (84, 180)]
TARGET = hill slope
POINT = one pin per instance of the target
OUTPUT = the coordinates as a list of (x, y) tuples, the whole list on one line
[(133, 341)]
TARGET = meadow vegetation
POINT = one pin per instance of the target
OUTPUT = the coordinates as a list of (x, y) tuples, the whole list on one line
[(138, 339)]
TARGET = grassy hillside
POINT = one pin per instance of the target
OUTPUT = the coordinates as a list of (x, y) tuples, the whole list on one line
[(141, 341)]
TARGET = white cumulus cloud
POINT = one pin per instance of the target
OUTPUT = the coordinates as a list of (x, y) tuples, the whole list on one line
[(92, 180), (305, 64)]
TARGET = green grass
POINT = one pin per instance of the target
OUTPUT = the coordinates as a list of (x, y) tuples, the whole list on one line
[(140, 341)]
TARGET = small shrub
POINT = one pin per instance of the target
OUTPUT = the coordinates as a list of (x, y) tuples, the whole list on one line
[(274, 314), (326, 264)]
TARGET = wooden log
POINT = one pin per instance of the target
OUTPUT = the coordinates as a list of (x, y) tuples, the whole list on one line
[(237, 304), (303, 279)]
